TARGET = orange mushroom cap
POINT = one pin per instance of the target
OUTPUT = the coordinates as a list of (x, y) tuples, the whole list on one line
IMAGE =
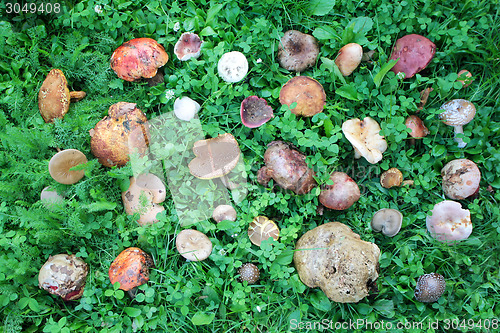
[(130, 268)]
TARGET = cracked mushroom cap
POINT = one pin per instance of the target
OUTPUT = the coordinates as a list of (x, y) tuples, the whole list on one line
[(130, 268), (261, 228), (307, 92), (223, 213), (138, 58), (188, 46), (64, 275), (342, 194), (390, 178), (249, 272), (335, 259), (388, 221), (448, 222), (61, 163), (414, 53), (417, 126), (429, 287), (144, 194), (297, 51), (232, 66), (460, 179), (349, 58), (255, 112), (193, 245), (457, 112), (365, 138)]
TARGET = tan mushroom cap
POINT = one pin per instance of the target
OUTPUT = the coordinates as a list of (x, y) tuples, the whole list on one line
[(388, 221), (261, 228), (457, 112), (224, 212), (365, 138), (193, 245), (297, 51), (215, 157), (307, 92), (188, 46), (464, 77), (349, 58), (142, 197), (64, 160), (390, 178)]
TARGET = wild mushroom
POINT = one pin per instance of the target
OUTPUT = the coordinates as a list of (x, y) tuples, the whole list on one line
[(215, 157), (388, 221), (232, 66), (54, 96), (417, 126), (139, 58), (64, 275), (464, 77), (430, 287), (461, 179), (193, 245), (457, 113), (287, 166), (306, 92), (122, 132), (188, 46), (390, 178), (334, 258), (424, 96), (254, 112), (414, 53), (261, 228), (50, 197), (249, 272), (131, 269), (61, 163), (224, 212), (448, 222), (297, 51), (365, 138), (349, 58), (342, 194), (185, 108)]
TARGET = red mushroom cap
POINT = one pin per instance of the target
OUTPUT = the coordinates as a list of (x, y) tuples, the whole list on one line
[(414, 53)]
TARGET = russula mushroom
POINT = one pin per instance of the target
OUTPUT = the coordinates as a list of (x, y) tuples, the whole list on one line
[(448, 222), (139, 58), (143, 196), (388, 221), (64, 275), (288, 167), (430, 287), (261, 228), (414, 53), (61, 163), (249, 272), (349, 58), (193, 245), (461, 179), (457, 113), (215, 157), (254, 112), (464, 77), (185, 108), (297, 51), (130, 268), (122, 132), (417, 127), (188, 46), (390, 178), (224, 212), (54, 96), (365, 138), (50, 197), (342, 194), (306, 92), (334, 258), (232, 66)]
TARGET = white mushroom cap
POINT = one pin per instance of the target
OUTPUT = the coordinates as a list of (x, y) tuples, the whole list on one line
[(461, 178), (388, 221), (365, 138), (185, 108), (50, 197), (457, 113), (232, 66), (193, 245), (64, 160), (449, 222), (349, 58), (224, 212), (188, 46)]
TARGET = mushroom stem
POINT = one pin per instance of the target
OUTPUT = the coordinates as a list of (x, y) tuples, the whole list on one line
[(459, 130), (76, 96)]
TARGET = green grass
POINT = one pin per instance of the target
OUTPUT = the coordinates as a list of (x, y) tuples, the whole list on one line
[(206, 296)]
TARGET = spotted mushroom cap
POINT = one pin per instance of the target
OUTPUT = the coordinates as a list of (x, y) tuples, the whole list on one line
[(430, 287), (130, 268), (457, 112), (249, 272), (461, 179), (365, 138), (297, 51), (449, 222), (188, 46)]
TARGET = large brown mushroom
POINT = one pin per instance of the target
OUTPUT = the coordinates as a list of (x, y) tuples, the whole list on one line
[(306, 92), (130, 268), (297, 51), (414, 53)]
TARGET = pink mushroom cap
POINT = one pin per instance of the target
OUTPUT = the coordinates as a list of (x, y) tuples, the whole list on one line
[(255, 112), (449, 222)]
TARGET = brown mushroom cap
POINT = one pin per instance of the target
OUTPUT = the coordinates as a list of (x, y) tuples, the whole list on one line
[(249, 272), (261, 228), (215, 157), (297, 51), (342, 194), (365, 138), (138, 58), (388, 221), (461, 179), (307, 92), (390, 178), (130, 268), (349, 58), (193, 245), (430, 287), (414, 53), (224, 212), (64, 160), (188, 46), (417, 126), (254, 111)]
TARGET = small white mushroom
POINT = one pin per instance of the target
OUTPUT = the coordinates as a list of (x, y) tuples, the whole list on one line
[(49, 197), (224, 212), (457, 113), (232, 66), (185, 108), (388, 221)]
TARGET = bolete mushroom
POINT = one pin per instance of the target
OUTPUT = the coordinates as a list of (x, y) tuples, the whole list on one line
[(54, 97), (342, 194), (224, 212), (254, 112), (365, 138), (188, 46), (461, 179), (457, 113), (414, 53), (297, 51), (232, 66), (261, 228), (334, 258), (64, 275), (193, 245), (390, 178), (130, 269), (122, 132), (430, 287), (61, 163), (249, 272), (448, 222), (185, 108), (349, 58), (306, 92), (417, 127), (388, 221)]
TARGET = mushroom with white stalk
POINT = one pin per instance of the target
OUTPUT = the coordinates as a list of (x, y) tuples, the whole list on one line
[(388, 221), (448, 222), (349, 58), (188, 46), (457, 113), (297, 51), (461, 179), (193, 245), (185, 108), (61, 163), (365, 138), (232, 66)]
